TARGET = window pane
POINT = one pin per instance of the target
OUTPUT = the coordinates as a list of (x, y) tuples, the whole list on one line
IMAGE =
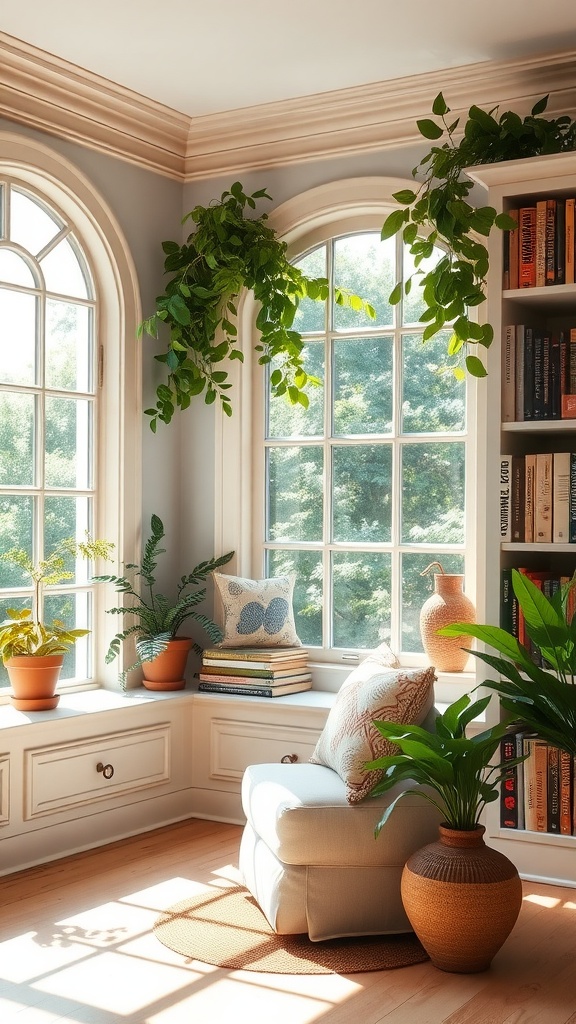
[(72, 610), (433, 493), (30, 225), (416, 589), (68, 346), (431, 401), (362, 486), (68, 442), (412, 304), (62, 271), (16, 439), (68, 517), (362, 584), (17, 337), (363, 392), (14, 270), (15, 532), (287, 420), (311, 314), (306, 566), (295, 494), (365, 266)]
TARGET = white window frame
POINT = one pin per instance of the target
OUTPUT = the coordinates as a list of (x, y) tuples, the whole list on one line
[(119, 437), (308, 220)]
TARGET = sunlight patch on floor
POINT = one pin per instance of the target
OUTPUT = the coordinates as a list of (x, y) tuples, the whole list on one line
[(542, 901)]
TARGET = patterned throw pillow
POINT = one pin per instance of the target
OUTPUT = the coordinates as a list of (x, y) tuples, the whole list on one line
[(257, 613), (373, 691)]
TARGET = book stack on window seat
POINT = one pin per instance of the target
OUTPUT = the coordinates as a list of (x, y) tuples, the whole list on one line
[(255, 671)]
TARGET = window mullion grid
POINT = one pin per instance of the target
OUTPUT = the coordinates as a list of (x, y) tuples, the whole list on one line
[(396, 567), (327, 571)]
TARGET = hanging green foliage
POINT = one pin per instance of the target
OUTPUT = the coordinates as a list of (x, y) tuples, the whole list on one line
[(438, 213), (227, 252)]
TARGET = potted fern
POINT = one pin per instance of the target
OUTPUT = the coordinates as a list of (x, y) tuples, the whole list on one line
[(156, 619), (33, 650)]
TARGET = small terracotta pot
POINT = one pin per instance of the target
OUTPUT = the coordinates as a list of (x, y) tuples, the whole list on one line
[(166, 672), (34, 681), (462, 899)]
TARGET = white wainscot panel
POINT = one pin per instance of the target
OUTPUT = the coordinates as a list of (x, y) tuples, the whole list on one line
[(235, 745)]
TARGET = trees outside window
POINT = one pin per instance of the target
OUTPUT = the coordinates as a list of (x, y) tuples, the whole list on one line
[(366, 487)]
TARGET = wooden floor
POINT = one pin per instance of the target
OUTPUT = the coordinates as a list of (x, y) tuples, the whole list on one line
[(76, 945)]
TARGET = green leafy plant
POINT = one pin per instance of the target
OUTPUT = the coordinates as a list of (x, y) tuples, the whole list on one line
[(456, 768), (541, 699), (438, 212), (157, 618), (22, 632), (229, 251)]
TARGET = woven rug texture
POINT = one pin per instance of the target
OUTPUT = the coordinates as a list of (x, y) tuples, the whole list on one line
[(226, 928)]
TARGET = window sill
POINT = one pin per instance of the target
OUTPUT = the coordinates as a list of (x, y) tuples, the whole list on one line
[(86, 702)]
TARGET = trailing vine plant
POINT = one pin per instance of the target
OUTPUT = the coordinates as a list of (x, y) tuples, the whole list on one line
[(228, 251), (438, 213)]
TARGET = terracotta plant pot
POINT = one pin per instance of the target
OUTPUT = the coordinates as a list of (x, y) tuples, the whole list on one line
[(34, 681), (166, 672), (462, 899)]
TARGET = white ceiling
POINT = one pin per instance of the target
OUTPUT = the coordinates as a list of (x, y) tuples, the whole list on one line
[(202, 58)]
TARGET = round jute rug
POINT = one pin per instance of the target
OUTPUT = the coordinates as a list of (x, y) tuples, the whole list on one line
[(226, 928)]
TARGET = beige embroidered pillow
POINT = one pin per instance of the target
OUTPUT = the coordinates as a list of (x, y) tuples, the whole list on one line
[(349, 738), (256, 613)]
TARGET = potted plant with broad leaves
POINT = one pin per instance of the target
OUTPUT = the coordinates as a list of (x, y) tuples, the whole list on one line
[(536, 686), (162, 654), (33, 650), (461, 897)]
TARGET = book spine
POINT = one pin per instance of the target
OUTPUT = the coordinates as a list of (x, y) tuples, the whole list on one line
[(569, 240), (252, 654), (541, 783), (546, 381), (550, 268), (540, 243), (572, 361), (252, 673), (506, 599), (243, 681), (509, 785), (514, 251), (555, 378), (561, 498), (538, 343), (543, 499), (529, 494), (572, 500), (527, 247), (509, 374), (505, 498), (529, 785), (519, 373), (519, 740), (566, 783), (553, 786), (518, 498), (528, 374), (560, 244), (240, 691)]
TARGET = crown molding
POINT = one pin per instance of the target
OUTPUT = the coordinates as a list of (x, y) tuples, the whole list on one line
[(44, 92), (370, 118)]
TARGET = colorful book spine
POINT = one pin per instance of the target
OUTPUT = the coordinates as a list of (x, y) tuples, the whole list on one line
[(519, 373), (566, 782), (527, 247), (561, 498), (509, 785), (254, 691), (543, 499), (553, 790), (528, 373), (529, 497), (540, 280), (270, 681), (550, 242), (513, 252), (560, 244), (569, 240), (518, 498), (509, 374), (572, 500)]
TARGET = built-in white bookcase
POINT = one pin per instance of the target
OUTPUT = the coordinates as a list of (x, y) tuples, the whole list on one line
[(509, 185)]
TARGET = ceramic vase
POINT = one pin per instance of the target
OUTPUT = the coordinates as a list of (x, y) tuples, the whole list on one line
[(446, 605), (166, 671), (462, 899)]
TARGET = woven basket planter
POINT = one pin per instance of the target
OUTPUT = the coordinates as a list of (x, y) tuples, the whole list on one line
[(462, 899)]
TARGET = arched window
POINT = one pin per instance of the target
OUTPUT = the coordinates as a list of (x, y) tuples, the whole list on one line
[(69, 388), (359, 493)]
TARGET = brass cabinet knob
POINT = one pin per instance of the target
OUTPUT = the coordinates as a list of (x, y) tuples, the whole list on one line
[(106, 769)]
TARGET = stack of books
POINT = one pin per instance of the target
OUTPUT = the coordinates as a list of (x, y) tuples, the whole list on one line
[(255, 671)]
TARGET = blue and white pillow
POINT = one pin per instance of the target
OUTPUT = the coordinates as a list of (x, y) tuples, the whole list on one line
[(257, 613)]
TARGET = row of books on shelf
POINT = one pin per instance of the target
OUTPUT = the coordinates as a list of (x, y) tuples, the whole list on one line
[(538, 373), (537, 497), (511, 617), (540, 251), (538, 794), (255, 671)]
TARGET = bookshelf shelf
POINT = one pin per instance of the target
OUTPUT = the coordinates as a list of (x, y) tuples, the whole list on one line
[(548, 856)]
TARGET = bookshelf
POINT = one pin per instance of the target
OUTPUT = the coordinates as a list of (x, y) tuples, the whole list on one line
[(510, 186)]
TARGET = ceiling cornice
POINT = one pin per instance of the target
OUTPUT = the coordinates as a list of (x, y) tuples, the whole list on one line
[(42, 91)]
